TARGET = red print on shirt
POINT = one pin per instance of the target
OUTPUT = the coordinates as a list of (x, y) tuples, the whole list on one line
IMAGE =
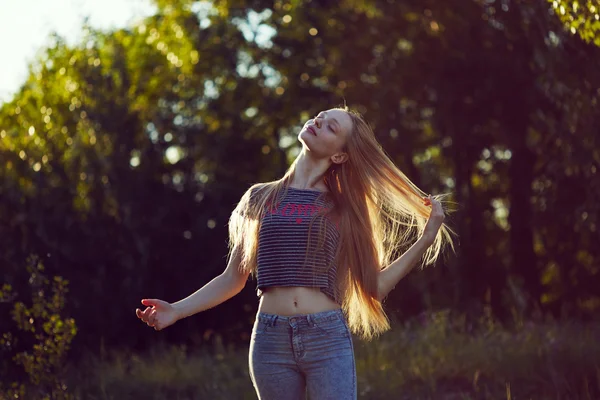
[(300, 210)]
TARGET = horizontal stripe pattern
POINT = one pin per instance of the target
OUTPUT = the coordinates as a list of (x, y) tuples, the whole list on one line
[(283, 242)]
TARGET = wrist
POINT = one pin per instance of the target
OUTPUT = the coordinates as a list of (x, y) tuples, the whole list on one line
[(427, 239), (179, 311)]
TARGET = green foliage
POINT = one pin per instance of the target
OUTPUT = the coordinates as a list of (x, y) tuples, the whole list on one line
[(581, 17), (44, 331)]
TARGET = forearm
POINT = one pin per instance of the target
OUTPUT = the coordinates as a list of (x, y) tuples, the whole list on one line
[(390, 276), (215, 292)]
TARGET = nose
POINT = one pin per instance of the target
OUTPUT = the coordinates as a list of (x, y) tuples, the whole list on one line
[(318, 122)]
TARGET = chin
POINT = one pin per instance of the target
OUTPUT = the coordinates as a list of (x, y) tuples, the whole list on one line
[(302, 135)]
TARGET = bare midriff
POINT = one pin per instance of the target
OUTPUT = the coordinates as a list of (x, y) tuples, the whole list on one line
[(295, 300)]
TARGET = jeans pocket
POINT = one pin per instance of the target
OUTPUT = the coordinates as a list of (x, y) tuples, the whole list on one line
[(335, 328), (260, 327)]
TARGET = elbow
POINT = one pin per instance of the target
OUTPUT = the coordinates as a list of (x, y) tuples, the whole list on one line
[(380, 293), (240, 287), (235, 283), (383, 289)]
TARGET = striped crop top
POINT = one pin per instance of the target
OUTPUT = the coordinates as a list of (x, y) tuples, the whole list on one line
[(282, 258)]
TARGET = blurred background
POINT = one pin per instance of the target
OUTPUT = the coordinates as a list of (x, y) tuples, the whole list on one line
[(129, 130)]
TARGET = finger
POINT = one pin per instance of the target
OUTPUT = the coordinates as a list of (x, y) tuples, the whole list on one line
[(436, 209), (138, 312), (152, 318), (145, 314), (147, 302), (150, 302), (439, 209)]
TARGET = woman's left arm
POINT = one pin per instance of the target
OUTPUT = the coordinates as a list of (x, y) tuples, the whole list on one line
[(391, 275)]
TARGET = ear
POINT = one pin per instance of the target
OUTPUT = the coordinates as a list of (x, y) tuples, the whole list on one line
[(339, 158)]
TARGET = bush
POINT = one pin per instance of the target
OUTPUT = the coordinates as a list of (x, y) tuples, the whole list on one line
[(39, 347)]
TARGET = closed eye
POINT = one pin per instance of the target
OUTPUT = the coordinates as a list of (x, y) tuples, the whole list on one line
[(329, 125)]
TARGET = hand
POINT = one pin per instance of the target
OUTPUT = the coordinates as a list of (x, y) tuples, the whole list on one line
[(159, 314), (436, 218)]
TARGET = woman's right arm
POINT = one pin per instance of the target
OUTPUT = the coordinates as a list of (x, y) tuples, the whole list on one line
[(160, 314), (215, 292)]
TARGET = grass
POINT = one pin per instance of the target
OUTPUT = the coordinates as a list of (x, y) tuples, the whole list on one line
[(438, 357), (444, 358)]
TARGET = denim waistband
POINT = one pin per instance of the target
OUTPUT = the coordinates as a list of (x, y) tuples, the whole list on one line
[(311, 319)]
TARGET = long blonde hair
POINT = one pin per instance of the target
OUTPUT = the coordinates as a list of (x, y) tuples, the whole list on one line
[(378, 209)]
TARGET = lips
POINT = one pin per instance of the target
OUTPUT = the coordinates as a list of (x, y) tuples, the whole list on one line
[(312, 130)]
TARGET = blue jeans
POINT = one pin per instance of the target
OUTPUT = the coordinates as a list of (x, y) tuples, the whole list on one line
[(303, 355)]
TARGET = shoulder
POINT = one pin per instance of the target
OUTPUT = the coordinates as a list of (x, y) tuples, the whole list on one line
[(255, 190), (255, 193)]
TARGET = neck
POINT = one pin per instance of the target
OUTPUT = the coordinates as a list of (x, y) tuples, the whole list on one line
[(309, 172)]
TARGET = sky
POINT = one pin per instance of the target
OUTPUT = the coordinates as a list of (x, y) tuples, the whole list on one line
[(25, 26)]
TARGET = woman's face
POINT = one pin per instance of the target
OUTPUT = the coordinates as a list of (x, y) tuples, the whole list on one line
[(326, 134)]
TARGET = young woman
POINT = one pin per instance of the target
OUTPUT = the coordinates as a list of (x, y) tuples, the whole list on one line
[(321, 242)]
